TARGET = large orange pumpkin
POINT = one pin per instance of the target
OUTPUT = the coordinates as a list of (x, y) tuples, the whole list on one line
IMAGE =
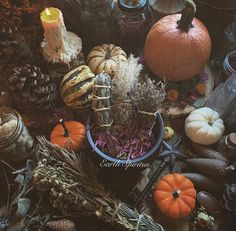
[(175, 195), (177, 47), (69, 135)]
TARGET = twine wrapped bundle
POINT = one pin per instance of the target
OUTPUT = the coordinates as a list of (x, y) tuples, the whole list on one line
[(101, 101), (73, 186), (148, 98)]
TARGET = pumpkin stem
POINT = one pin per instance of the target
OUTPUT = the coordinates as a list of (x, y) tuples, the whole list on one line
[(66, 133), (210, 123), (185, 22), (176, 193)]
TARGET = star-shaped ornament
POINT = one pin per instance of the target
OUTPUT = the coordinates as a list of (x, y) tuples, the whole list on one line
[(171, 153)]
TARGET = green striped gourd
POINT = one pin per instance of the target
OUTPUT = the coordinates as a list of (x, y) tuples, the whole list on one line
[(76, 87)]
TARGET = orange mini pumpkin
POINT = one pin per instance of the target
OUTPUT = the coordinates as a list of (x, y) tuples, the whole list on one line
[(69, 135), (175, 195)]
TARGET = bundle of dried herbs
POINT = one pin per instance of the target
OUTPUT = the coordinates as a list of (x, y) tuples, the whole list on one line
[(73, 186), (148, 98), (123, 84), (101, 101)]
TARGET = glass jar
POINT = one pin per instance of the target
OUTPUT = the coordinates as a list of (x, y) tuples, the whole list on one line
[(131, 22), (97, 21), (160, 8), (229, 66), (16, 143)]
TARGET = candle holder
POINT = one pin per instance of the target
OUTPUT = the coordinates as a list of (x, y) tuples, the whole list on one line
[(61, 49)]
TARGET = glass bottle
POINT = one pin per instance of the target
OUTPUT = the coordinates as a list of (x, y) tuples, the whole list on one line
[(229, 65), (97, 21), (16, 143), (131, 21)]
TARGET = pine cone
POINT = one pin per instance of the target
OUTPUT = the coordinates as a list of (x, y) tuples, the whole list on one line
[(13, 48), (211, 167), (32, 90), (61, 225), (204, 152), (228, 201), (11, 12)]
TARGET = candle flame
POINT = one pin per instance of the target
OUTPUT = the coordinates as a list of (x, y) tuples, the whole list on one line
[(48, 13)]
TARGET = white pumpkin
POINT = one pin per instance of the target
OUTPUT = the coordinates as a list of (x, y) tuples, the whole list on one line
[(204, 126)]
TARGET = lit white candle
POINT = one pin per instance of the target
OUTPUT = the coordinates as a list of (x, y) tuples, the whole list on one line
[(54, 28), (58, 45)]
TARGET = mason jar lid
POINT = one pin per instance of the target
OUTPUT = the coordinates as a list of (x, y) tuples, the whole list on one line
[(16, 131), (132, 5)]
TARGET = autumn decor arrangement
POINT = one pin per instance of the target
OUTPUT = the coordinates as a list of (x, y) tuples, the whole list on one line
[(125, 112), (178, 46), (113, 116), (175, 195)]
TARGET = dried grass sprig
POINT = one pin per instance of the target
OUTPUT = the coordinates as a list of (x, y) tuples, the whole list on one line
[(72, 182), (149, 95), (126, 78), (123, 84)]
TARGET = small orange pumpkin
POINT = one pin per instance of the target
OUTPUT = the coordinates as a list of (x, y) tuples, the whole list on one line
[(69, 135), (175, 195)]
